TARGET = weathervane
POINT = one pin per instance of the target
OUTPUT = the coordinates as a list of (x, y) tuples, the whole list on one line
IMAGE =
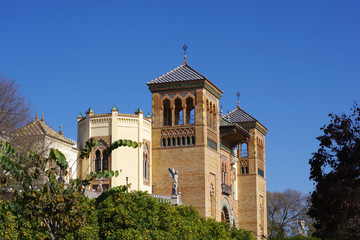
[(185, 48), (238, 96)]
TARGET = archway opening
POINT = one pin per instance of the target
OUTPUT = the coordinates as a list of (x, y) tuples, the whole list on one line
[(225, 215)]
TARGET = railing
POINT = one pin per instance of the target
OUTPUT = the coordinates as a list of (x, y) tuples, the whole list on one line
[(226, 189)]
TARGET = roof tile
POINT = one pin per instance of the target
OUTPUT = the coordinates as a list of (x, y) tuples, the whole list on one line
[(239, 115), (181, 73)]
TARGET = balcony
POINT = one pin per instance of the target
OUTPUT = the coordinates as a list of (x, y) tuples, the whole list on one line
[(226, 189)]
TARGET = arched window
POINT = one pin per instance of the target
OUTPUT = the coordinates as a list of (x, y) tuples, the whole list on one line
[(167, 112), (190, 111), (146, 162), (105, 162), (179, 114), (224, 173), (244, 150), (97, 161), (213, 117)]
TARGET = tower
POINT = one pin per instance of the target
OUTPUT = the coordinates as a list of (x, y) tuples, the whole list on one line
[(185, 136), (251, 173)]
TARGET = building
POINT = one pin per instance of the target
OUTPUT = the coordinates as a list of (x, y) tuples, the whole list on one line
[(39, 137), (134, 164), (190, 135), (220, 159)]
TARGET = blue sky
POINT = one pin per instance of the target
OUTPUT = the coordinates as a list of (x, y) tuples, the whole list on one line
[(293, 62)]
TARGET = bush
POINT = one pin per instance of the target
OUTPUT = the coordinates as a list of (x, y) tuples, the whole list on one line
[(136, 215)]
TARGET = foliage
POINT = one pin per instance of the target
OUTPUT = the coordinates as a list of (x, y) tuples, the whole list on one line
[(59, 208), (335, 170), (136, 215), (299, 237), (284, 210)]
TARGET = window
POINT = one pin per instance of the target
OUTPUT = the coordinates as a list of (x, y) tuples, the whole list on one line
[(244, 170), (260, 172), (167, 112), (224, 173), (105, 161), (146, 163), (179, 114), (190, 111), (101, 162), (212, 144), (244, 150), (244, 167), (97, 161)]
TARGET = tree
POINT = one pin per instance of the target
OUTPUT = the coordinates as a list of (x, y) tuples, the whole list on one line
[(335, 170), (137, 215), (14, 109), (57, 206), (284, 211)]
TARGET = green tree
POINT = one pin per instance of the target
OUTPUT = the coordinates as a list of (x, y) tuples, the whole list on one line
[(136, 215), (335, 170), (57, 206)]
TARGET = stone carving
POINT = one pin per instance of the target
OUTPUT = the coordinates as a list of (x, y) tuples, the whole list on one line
[(302, 227), (174, 176)]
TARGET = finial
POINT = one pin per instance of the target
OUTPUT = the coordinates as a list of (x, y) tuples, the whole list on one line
[(238, 96), (138, 111), (42, 117), (60, 128), (185, 48), (221, 111), (114, 108), (37, 116)]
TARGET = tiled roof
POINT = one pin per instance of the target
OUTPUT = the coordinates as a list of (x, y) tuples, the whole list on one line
[(239, 115), (38, 128), (179, 74), (224, 122)]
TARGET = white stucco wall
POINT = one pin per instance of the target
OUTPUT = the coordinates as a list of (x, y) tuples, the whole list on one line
[(128, 160)]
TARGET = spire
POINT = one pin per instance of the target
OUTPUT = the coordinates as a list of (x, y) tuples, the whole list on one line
[(138, 111), (221, 111), (185, 48), (42, 117), (37, 116), (114, 108), (89, 110), (238, 96)]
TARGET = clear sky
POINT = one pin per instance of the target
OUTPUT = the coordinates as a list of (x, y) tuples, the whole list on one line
[(293, 62)]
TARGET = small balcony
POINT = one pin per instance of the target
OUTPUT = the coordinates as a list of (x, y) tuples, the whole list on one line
[(226, 189)]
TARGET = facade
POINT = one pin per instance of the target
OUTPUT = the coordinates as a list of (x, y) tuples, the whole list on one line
[(220, 159), (134, 164), (41, 138)]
